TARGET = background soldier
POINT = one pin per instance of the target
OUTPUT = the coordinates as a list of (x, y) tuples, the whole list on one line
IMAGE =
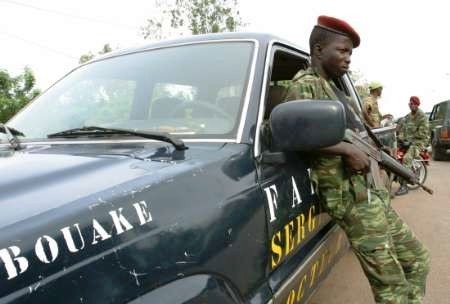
[(413, 136), (371, 111), (394, 261)]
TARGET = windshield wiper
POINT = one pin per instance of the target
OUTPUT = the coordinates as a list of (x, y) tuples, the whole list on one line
[(11, 135), (99, 131)]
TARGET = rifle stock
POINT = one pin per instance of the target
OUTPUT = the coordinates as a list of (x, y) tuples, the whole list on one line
[(384, 159)]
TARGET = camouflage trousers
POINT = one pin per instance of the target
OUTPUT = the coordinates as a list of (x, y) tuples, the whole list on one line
[(412, 153), (394, 261)]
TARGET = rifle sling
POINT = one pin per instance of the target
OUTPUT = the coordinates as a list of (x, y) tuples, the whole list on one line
[(355, 123)]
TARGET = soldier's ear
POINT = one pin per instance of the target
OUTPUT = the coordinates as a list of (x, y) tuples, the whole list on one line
[(317, 50)]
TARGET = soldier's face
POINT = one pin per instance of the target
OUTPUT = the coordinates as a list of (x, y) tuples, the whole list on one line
[(335, 56), (379, 92), (413, 107)]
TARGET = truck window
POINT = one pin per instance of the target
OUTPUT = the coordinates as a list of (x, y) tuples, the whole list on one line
[(440, 111), (174, 89), (284, 67)]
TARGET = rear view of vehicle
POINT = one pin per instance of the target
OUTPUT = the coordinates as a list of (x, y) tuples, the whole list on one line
[(440, 130)]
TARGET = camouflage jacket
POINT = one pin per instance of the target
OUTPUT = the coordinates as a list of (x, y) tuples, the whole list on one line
[(371, 111), (335, 187), (415, 129)]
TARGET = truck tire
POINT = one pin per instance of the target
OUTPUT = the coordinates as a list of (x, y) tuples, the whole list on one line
[(437, 153)]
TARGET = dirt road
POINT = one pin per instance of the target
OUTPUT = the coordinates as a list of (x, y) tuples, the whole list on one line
[(429, 217)]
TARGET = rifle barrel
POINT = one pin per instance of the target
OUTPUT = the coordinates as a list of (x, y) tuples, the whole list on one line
[(384, 159)]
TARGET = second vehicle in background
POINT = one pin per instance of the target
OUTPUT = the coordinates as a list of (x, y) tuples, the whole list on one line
[(440, 130)]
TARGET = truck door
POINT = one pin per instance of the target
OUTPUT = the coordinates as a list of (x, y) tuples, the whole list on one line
[(296, 224)]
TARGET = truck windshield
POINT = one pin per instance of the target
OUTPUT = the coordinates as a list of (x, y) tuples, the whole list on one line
[(190, 91)]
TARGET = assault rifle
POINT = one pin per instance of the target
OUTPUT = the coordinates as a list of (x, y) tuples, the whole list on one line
[(383, 158)]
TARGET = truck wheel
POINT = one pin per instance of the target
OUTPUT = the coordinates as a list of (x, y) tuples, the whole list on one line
[(437, 153)]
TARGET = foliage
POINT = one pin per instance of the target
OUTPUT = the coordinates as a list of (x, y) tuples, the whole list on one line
[(361, 84), (194, 16), (16, 92), (89, 56), (362, 90)]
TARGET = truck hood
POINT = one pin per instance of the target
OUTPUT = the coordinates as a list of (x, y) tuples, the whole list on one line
[(76, 215), (41, 178)]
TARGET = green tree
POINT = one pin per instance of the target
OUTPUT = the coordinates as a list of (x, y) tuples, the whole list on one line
[(195, 16), (16, 92), (361, 84), (88, 56)]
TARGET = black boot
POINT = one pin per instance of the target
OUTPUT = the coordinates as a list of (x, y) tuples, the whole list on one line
[(403, 189)]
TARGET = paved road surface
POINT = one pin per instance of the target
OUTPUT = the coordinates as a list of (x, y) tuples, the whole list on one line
[(429, 217)]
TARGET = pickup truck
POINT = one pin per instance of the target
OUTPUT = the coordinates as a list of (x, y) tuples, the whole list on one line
[(144, 176), (439, 119)]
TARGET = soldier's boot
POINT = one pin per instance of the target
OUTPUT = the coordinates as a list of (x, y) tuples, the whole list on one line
[(403, 189)]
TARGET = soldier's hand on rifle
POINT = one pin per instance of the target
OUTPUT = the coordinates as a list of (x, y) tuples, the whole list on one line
[(356, 161)]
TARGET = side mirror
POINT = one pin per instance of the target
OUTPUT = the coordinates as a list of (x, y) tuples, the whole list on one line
[(307, 125)]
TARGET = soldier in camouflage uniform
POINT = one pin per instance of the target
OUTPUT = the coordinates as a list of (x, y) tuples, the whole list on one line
[(371, 112), (413, 135), (394, 261)]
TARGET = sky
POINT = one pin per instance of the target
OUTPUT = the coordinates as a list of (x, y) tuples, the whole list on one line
[(404, 45)]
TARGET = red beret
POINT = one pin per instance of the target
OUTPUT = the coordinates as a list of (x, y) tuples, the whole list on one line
[(340, 27), (414, 100)]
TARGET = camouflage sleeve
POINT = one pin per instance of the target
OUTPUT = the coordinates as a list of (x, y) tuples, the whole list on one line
[(367, 108), (300, 90), (423, 132), (400, 129)]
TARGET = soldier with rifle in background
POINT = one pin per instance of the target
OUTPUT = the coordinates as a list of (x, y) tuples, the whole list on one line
[(394, 261)]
